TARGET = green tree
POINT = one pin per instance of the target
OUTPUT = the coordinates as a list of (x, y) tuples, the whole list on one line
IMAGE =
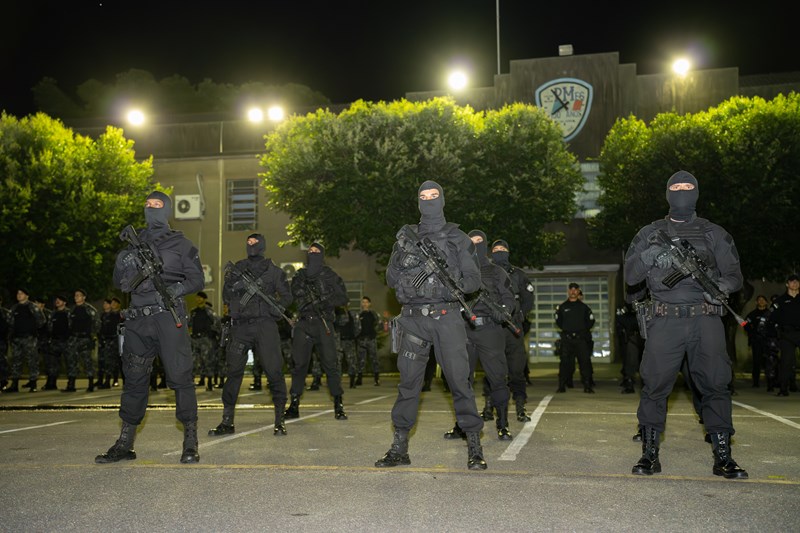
[(745, 154), (350, 179), (64, 200)]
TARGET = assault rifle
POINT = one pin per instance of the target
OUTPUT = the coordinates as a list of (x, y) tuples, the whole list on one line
[(688, 263), (252, 288), (315, 300), (487, 298), (151, 267), (436, 265)]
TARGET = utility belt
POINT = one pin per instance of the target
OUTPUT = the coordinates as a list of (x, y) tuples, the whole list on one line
[(573, 335), (685, 311), (249, 320), (138, 312), (431, 310)]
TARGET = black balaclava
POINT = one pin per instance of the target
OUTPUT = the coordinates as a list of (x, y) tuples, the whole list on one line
[(480, 247), (682, 203), (315, 261), (432, 211), (158, 219), (256, 250), (501, 258)]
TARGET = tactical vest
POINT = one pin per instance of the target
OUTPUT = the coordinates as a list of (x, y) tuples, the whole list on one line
[(698, 233), (432, 289)]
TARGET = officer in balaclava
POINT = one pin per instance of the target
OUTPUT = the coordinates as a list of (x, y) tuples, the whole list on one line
[(254, 327), (485, 341), (683, 318), (151, 330), (431, 317), (317, 291), (516, 355)]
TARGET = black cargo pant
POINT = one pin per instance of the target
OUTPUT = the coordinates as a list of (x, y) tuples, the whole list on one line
[(307, 335)]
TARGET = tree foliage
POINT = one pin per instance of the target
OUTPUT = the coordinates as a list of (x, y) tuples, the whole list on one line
[(94, 98), (745, 154), (64, 200), (350, 180)]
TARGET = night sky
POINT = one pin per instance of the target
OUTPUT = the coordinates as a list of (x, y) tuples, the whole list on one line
[(374, 50)]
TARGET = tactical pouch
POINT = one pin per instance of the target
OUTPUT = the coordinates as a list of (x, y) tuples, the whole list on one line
[(396, 334)]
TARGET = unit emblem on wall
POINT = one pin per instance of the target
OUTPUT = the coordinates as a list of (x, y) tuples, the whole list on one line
[(568, 102)]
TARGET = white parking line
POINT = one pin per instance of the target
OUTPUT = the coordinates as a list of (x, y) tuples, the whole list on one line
[(37, 427), (523, 436), (768, 415)]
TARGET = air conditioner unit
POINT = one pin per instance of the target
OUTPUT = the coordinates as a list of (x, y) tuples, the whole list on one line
[(187, 207)]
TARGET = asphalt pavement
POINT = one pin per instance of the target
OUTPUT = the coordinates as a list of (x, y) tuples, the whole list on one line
[(568, 469)]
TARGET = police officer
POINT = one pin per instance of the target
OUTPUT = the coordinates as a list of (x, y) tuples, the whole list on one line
[(43, 337), (58, 340), (151, 329), (107, 345), (84, 323), (204, 325), (348, 327), (575, 319), (254, 327), (516, 354), (785, 316), (4, 327), (431, 317), (685, 319), (25, 320), (631, 346), (756, 328), (368, 341), (485, 338), (317, 291)]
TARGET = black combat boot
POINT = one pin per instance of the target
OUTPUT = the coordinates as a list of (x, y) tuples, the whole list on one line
[(202, 382), (50, 384), (377, 379), (70, 385), (648, 464), (486, 414), (522, 416), (31, 386), (221, 383), (122, 449), (724, 465), (502, 423), (475, 459), (256, 385), (359, 378), (338, 408), (90, 388), (562, 385), (588, 386), (14, 387), (352, 381), (455, 433), (315, 383), (209, 385), (106, 383), (99, 382), (627, 386), (162, 383), (225, 427), (293, 411), (280, 425), (398, 452), (637, 437), (153, 379), (190, 447)]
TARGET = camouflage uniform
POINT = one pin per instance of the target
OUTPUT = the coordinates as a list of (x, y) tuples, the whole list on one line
[(84, 324)]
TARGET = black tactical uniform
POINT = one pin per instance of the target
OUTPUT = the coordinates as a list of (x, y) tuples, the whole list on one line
[(254, 327), (575, 320), (631, 346), (685, 320), (348, 327), (516, 354), (431, 317), (108, 346), (317, 291), (368, 341), (757, 327), (205, 327), (485, 338), (785, 316), (150, 329), (58, 331)]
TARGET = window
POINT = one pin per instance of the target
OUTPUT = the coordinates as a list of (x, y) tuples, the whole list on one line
[(242, 205), (355, 290), (549, 293)]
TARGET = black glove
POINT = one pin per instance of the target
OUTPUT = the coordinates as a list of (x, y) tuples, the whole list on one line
[(656, 255), (408, 259), (176, 290), (498, 315)]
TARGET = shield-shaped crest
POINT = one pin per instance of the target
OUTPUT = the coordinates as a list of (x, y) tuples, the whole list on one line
[(568, 102)]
